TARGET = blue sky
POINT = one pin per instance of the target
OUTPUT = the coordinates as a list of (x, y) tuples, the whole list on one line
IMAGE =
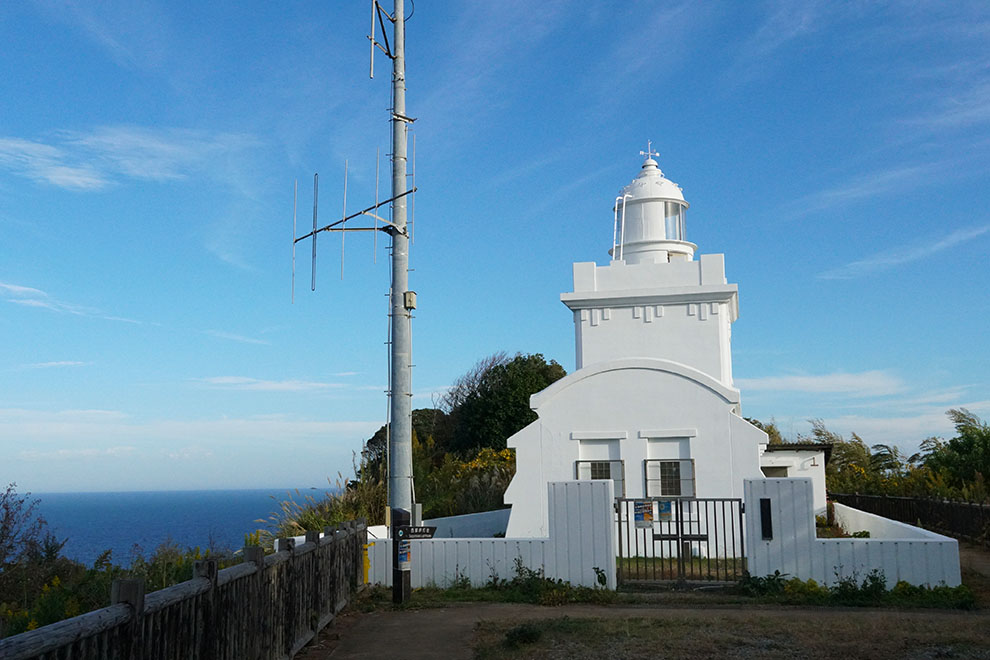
[(837, 153)]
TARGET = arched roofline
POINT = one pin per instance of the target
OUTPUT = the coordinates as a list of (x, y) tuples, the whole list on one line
[(728, 394)]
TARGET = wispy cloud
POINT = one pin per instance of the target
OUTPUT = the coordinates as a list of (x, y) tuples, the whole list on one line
[(239, 338), (74, 454), (259, 385), (966, 108), (133, 33), (188, 453), (48, 164), (57, 364), (785, 23), (26, 296), (94, 160), (117, 428), (902, 255), (21, 291), (864, 186), (458, 101), (862, 384)]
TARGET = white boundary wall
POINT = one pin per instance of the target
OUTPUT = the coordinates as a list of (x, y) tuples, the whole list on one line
[(901, 551), (582, 537)]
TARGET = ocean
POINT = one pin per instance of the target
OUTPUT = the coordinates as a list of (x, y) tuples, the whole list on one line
[(120, 522)]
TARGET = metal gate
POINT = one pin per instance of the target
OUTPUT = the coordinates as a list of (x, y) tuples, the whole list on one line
[(697, 539)]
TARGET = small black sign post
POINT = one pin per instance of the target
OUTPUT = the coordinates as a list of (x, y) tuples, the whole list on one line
[(401, 555), (419, 532)]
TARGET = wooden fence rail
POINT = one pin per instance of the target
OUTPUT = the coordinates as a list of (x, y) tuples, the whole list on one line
[(961, 520), (266, 608)]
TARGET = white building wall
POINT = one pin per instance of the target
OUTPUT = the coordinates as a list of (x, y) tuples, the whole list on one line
[(678, 311), (645, 409), (582, 537), (902, 552)]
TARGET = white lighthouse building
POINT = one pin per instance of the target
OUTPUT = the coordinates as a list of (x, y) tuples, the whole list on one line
[(651, 404)]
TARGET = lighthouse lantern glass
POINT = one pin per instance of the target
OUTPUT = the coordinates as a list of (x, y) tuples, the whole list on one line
[(674, 221)]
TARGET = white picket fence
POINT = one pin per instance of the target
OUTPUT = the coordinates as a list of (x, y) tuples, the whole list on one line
[(901, 551), (582, 538)]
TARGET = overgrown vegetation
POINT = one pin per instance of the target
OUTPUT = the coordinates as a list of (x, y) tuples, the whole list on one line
[(850, 591), (954, 469), (460, 460), (39, 586)]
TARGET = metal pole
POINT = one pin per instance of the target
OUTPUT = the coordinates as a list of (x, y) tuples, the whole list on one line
[(400, 438)]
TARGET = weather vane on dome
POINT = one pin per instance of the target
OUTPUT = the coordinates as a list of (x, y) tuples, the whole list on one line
[(649, 153)]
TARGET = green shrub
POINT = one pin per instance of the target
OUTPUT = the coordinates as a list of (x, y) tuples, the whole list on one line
[(849, 590)]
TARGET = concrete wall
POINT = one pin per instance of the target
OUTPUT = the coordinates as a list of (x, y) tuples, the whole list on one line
[(801, 463), (582, 537), (901, 551), (468, 526)]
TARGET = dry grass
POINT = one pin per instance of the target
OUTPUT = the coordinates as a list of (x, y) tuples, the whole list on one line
[(742, 634)]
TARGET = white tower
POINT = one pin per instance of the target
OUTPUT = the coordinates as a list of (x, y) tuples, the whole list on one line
[(654, 300), (651, 405)]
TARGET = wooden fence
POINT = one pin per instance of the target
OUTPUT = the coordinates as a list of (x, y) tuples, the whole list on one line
[(266, 608), (961, 520)]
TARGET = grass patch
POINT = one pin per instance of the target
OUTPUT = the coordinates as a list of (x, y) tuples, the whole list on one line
[(737, 634), (666, 568)]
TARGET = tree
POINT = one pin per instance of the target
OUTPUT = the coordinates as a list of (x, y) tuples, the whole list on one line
[(21, 526), (428, 424), (964, 459), (493, 403), (773, 433)]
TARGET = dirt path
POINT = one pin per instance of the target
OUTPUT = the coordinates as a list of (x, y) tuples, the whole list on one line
[(449, 632)]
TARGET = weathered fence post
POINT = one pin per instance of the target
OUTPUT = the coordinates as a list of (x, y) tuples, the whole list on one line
[(256, 628), (313, 537), (288, 595), (131, 592), (209, 642)]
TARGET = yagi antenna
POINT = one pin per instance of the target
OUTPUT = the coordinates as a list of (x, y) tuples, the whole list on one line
[(379, 224), (343, 214), (316, 192), (378, 165), (412, 201), (376, 15), (295, 200)]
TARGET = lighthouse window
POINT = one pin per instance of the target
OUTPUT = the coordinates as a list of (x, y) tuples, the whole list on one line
[(674, 221), (670, 478), (603, 470)]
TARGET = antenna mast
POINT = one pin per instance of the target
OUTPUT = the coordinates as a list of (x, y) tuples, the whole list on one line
[(401, 300), (401, 303)]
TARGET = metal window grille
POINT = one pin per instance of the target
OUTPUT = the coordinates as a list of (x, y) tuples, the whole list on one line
[(670, 478), (613, 470)]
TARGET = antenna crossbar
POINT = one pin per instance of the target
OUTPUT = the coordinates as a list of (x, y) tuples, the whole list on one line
[(392, 226)]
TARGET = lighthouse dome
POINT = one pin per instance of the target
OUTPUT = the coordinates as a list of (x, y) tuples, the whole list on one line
[(652, 184), (649, 216)]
